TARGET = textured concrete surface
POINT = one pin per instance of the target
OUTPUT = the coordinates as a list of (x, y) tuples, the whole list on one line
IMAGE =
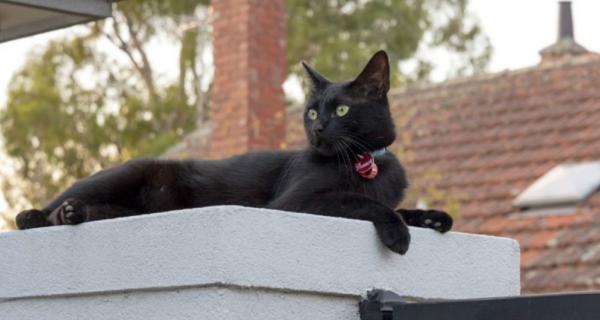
[(210, 303), (200, 262)]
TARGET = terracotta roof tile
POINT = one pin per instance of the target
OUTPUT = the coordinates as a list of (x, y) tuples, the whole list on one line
[(539, 240)]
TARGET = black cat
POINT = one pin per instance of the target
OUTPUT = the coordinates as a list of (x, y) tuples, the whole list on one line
[(345, 171)]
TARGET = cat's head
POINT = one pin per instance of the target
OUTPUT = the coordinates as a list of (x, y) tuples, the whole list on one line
[(350, 115)]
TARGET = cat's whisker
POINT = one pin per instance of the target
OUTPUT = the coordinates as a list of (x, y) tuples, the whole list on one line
[(340, 150), (337, 154), (349, 144), (361, 143), (349, 150), (347, 157), (347, 160)]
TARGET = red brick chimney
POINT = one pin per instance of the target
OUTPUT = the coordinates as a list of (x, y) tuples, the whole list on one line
[(247, 104)]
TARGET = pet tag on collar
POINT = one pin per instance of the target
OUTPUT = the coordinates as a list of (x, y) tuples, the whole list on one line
[(365, 166)]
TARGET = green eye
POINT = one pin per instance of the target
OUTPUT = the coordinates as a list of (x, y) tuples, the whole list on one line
[(342, 110), (312, 114)]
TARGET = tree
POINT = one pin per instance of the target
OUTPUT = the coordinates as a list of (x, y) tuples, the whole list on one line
[(74, 109), (337, 36)]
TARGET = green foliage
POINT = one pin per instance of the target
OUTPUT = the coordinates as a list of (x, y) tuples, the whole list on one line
[(8, 223), (338, 36)]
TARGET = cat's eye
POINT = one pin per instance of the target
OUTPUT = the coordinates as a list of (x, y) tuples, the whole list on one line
[(312, 114), (342, 110)]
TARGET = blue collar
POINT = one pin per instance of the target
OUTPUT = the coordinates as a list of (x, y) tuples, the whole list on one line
[(378, 153)]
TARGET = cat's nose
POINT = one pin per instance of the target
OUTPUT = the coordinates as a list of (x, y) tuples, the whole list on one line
[(318, 127)]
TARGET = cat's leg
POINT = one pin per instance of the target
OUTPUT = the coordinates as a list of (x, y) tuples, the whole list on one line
[(33, 218), (432, 219), (389, 225), (116, 188), (74, 211), (116, 185)]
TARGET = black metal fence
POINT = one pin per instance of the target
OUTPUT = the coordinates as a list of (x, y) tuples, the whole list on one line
[(386, 305)]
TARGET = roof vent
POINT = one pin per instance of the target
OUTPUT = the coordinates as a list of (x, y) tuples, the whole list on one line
[(563, 186), (565, 44)]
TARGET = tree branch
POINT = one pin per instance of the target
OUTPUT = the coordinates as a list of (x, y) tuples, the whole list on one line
[(146, 67), (143, 68)]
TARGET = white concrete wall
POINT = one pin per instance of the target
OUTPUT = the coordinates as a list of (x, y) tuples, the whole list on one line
[(237, 263)]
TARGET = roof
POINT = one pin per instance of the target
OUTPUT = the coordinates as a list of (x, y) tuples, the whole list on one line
[(490, 137)]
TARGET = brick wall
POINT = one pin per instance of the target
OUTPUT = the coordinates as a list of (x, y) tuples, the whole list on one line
[(247, 100)]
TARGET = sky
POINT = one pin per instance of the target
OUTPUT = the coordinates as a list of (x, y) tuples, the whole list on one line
[(517, 29)]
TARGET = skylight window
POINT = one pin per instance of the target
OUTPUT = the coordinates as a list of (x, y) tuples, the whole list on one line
[(563, 186)]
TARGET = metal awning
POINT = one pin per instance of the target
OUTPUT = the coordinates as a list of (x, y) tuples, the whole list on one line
[(21, 18)]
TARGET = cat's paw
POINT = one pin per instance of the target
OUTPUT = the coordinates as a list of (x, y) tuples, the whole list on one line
[(433, 219), (394, 235), (33, 218), (72, 211)]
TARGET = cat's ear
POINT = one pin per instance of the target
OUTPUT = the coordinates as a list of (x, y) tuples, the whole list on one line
[(374, 80), (317, 80)]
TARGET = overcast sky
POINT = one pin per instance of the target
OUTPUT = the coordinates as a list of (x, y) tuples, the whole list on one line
[(518, 29)]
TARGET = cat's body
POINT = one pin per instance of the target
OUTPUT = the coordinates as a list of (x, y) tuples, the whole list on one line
[(286, 180), (343, 121)]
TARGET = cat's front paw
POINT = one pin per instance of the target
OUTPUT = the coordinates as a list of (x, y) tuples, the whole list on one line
[(394, 235), (72, 211), (430, 219), (436, 220), (33, 218)]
